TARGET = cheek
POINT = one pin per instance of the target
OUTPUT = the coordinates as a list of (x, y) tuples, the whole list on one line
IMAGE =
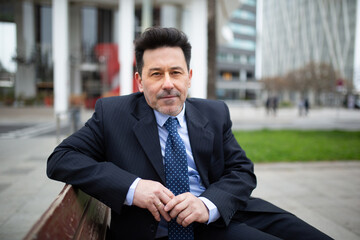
[(150, 92), (183, 87)]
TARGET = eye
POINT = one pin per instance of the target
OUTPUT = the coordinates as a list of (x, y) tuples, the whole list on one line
[(155, 74)]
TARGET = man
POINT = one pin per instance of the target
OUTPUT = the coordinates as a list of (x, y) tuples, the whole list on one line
[(122, 156)]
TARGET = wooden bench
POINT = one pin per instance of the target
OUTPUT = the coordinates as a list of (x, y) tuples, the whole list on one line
[(72, 215)]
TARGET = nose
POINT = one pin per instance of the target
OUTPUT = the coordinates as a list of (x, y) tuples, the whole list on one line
[(168, 83)]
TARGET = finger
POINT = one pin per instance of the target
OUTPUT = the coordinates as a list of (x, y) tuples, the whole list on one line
[(165, 197), (162, 212), (155, 212), (194, 212), (169, 193), (174, 202), (187, 221), (179, 208)]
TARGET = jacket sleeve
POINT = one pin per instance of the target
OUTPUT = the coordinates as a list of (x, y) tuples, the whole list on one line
[(230, 190), (80, 161)]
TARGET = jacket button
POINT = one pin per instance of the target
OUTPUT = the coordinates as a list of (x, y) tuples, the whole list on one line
[(152, 228)]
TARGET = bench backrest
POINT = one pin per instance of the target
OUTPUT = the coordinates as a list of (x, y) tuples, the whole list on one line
[(72, 215)]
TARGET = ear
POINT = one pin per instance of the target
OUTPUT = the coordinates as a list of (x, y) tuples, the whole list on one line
[(190, 77), (139, 82)]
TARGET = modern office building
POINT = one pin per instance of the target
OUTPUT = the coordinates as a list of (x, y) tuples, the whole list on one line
[(296, 33), (236, 55)]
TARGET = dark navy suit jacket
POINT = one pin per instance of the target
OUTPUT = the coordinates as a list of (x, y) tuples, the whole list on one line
[(121, 142)]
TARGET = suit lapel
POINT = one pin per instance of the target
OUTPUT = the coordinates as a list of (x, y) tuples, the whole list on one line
[(147, 134), (201, 140)]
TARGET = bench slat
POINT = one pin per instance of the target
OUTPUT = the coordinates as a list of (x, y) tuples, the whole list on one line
[(72, 215)]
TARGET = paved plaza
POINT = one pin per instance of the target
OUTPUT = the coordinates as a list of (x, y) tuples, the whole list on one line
[(325, 194)]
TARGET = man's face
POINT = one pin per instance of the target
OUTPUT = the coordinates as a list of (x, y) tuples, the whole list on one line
[(165, 79)]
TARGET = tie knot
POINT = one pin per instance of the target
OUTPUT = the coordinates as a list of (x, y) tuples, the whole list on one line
[(171, 125)]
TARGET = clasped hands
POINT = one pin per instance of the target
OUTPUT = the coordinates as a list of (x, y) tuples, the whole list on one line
[(160, 201)]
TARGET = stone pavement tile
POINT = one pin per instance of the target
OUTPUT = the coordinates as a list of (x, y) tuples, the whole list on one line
[(25, 214), (250, 118), (324, 194), (26, 114), (4, 186), (315, 218), (29, 192), (324, 223)]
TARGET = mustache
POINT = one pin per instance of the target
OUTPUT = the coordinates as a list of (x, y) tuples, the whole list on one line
[(166, 93)]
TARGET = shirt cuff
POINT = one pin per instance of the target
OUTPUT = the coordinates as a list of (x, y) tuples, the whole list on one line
[(130, 194), (214, 213)]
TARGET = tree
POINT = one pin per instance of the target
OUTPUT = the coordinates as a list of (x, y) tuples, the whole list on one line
[(275, 84), (317, 77)]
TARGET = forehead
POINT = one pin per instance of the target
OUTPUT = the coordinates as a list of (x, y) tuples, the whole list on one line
[(164, 56)]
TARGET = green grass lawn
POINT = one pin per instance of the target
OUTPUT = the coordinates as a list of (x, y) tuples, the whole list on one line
[(297, 145)]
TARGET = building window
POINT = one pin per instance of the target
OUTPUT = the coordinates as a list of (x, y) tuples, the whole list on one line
[(43, 51), (249, 75), (105, 26), (250, 95), (96, 28), (242, 29), (250, 2), (89, 33), (226, 94), (243, 14), (227, 76), (243, 59), (243, 44), (237, 58), (251, 60), (222, 57)]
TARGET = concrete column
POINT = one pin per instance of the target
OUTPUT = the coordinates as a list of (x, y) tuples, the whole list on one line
[(169, 16), (242, 94), (258, 53), (29, 28), (243, 75), (196, 12), (61, 56), (75, 49), (356, 74), (25, 83), (126, 47), (147, 16)]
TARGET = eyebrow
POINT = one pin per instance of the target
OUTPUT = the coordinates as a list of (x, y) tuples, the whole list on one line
[(172, 68)]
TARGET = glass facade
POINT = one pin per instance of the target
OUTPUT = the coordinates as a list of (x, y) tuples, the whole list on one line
[(326, 34), (236, 58)]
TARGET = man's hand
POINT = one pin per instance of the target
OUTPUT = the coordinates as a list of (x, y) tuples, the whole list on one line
[(188, 209), (153, 196)]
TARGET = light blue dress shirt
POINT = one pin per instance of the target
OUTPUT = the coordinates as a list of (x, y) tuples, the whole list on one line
[(196, 185)]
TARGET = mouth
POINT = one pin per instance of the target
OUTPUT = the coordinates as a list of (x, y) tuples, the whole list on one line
[(168, 100), (168, 97)]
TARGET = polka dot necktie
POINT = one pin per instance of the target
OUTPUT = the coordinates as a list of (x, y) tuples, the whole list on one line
[(177, 179)]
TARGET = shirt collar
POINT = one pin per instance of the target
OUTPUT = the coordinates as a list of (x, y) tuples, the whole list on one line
[(161, 118)]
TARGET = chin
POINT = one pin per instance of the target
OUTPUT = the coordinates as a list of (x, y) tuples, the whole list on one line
[(173, 111)]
